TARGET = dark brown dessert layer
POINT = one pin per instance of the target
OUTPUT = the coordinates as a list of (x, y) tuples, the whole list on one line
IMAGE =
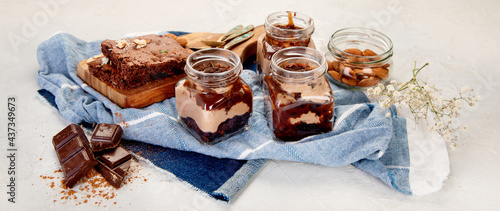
[(286, 131), (126, 80), (227, 127)]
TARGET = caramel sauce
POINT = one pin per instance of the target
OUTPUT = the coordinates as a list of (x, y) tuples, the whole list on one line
[(290, 24), (272, 44)]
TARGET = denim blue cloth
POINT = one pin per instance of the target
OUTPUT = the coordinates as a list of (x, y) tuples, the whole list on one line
[(362, 134)]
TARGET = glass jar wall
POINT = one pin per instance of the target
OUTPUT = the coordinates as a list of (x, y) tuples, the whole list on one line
[(213, 102), (359, 57), (283, 30), (298, 98)]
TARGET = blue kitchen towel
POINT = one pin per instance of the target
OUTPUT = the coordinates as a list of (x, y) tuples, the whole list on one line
[(362, 134)]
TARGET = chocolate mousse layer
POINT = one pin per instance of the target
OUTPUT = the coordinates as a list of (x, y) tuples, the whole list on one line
[(214, 113)]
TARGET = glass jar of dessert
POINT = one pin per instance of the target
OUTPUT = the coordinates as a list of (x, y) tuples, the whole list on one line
[(298, 98), (283, 30), (213, 102), (359, 57)]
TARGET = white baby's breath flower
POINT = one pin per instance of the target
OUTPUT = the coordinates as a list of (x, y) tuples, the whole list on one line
[(439, 101), (390, 88), (453, 146), (439, 125), (384, 103), (447, 137), (370, 91), (388, 114), (465, 89), (377, 90), (396, 94), (426, 103), (432, 96)]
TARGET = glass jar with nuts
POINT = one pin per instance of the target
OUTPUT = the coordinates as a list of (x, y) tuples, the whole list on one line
[(359, 57)]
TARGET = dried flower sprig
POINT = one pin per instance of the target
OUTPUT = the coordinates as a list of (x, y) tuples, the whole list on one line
[(426, 102)]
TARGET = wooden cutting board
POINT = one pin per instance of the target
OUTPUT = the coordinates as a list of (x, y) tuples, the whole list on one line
[(160, 90)]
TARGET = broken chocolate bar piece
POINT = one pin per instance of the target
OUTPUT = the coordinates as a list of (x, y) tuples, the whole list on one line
[(74, 153), (106, 136), (113, 165)]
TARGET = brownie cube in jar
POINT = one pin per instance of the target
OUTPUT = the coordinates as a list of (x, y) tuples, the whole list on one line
[(298, 99), (283, 30), (213, 102)]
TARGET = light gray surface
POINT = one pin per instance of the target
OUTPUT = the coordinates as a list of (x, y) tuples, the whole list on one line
[(458, 38)]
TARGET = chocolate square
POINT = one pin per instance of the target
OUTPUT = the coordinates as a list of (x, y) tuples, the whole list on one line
[(113, 165), (106, 136)]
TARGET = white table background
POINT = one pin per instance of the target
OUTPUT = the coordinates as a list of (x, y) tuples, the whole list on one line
[(459, 39)]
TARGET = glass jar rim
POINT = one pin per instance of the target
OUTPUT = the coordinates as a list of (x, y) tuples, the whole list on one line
[(282, 73), (214, 79), (196, 54), (271, 27), (367, 32)]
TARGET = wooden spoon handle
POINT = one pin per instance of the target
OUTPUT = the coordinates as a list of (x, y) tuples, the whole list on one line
[(230, 32), (239, 33), (239, 40)]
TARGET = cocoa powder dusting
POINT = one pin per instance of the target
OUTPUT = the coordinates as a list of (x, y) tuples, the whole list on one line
[(92, 189)]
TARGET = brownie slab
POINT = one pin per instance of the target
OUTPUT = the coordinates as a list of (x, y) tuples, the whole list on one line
[(157, 53), (133, 62)]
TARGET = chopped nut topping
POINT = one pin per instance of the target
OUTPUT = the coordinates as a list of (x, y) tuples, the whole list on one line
[(121, 43), (94, 58), (140, 43), (104, 60)]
